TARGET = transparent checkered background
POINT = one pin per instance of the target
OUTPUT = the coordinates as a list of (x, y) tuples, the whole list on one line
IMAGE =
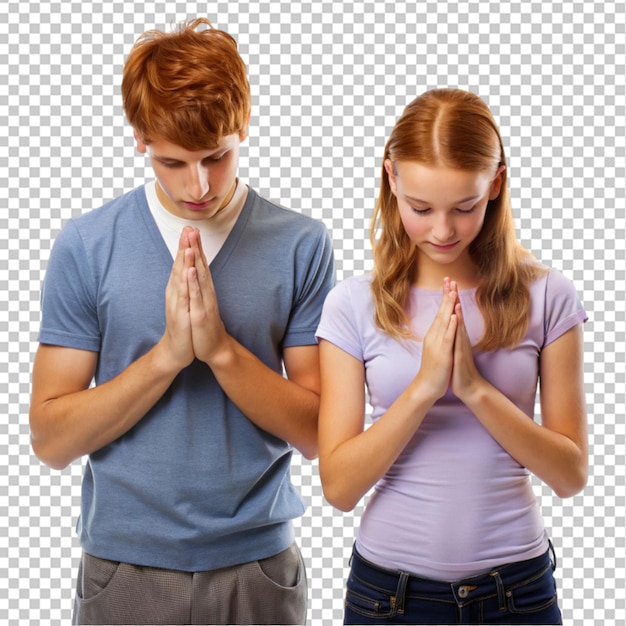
[(328, 80)]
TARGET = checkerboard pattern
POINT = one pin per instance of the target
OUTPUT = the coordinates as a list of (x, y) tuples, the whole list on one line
[(329, 79)]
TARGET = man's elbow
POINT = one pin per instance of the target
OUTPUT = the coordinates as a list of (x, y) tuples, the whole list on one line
[(44, 447), (309, 448), (49, 456)]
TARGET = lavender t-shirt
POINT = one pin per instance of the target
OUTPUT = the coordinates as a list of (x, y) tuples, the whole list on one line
[(454, 503)]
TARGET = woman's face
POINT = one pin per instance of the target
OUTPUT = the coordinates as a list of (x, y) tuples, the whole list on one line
[(442, 209)]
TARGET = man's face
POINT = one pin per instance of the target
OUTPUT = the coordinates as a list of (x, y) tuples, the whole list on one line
[(194, 185)]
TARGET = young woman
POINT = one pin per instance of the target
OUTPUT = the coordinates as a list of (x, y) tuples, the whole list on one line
[(450, 335)]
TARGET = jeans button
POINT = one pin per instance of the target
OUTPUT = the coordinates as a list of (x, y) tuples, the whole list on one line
[(463, 592)]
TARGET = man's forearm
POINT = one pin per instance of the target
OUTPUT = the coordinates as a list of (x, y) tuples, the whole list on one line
[(280, 406), (71, 425)]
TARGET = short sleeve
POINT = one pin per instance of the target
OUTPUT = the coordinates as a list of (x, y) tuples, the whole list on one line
[(315, 278), (68, 303), (339, 323), (564, 310)]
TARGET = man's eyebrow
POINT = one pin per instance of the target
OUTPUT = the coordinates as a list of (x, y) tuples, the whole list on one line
[(163, 157), (159, 157)]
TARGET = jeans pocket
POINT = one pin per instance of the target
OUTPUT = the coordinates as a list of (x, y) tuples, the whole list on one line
[(369, 601), (533, 595)]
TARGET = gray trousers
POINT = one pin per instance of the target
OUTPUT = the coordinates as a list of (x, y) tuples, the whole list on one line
[(270, 591)]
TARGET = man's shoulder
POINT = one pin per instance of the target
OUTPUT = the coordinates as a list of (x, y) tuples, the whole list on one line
[(111, 211), (274, 215)]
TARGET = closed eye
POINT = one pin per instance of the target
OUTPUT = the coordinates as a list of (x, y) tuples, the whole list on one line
[(179, 164), (466, 211), (427, 211), (215, 159)]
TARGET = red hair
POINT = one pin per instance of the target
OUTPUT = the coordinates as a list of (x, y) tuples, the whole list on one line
[(452, 128), (188, 87)]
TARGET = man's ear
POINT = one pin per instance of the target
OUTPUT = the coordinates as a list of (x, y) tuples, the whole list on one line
[(496, 183), (141, 146), (243, 135)]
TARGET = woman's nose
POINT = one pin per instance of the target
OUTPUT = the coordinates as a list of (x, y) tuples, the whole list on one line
[(443, 230)]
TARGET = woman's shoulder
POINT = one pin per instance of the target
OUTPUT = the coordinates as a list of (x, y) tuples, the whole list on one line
[(354, 287), (352, 293), (556, 304), (550, 280)]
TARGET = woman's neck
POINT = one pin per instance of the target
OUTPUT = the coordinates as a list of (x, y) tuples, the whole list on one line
[(430, 275)]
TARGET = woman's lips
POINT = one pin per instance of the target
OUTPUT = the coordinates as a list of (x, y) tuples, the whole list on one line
[(444, 248)]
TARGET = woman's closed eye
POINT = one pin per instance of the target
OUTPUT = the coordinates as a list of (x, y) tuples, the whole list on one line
[(427, 211)]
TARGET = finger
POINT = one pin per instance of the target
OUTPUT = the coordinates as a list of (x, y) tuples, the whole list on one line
[(201, 281), (462, 341), (458, 310), (198, 242), (176, 275), (195, 242), (451, 330), (195, 292), (182, 290), (446, 307), (208, 291), (184, 240)]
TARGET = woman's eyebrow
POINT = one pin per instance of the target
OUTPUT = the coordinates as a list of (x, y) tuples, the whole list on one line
[(417, 200)]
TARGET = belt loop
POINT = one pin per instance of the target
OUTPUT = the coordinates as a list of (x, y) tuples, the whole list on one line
[(401, 593), (553, 555), (500, 588)]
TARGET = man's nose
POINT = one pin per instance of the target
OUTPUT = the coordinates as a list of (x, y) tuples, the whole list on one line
[(198, 182)]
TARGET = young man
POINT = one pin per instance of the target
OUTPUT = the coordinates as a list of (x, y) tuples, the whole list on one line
[(184, 299)]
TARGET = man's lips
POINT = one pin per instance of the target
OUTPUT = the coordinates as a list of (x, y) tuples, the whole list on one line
[(197, 206)]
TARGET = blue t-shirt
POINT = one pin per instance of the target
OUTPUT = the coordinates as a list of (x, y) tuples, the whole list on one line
[(194, 485)]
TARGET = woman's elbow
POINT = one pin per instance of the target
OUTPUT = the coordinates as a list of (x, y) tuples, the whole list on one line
[(575, 483), (338, 497), (341, 503)]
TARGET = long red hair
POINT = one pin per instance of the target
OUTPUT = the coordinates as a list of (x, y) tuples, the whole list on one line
[(456, 129)]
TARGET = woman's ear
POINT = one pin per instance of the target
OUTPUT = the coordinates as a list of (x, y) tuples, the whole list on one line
[(496, 183), (391, 175)]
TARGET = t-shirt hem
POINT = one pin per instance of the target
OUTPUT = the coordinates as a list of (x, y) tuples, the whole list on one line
[(339, 341), (300, 338), (564, 325), (451, 572), (68, 340), (244, 547)]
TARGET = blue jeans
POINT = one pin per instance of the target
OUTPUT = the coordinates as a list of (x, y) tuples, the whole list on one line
[(519, 593)]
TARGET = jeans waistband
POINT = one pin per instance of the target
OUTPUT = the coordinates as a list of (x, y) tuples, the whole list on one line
[(463, 591)]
